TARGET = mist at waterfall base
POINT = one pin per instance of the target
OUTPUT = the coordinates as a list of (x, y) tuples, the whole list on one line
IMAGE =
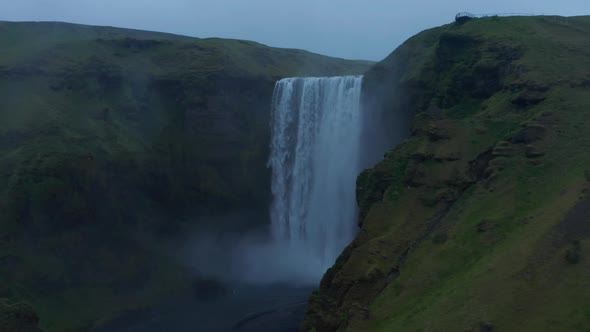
[(316, 129)]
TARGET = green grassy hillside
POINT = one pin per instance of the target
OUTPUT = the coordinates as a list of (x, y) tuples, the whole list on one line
[(112, 140), (480, 220)]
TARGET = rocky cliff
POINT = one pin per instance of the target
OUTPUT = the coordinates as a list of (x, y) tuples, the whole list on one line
[(479, 219), (111, 142)]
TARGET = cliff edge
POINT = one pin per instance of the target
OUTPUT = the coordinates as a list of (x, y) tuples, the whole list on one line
[(479, 219)]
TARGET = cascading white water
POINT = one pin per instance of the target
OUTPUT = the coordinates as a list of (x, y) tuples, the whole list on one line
[(315, 151)]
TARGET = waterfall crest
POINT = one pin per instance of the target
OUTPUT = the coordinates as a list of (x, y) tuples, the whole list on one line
[(315, 151)]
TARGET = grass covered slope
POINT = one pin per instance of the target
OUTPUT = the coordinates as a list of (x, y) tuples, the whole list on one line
[(186, 117), (109, 140), (480, 220)]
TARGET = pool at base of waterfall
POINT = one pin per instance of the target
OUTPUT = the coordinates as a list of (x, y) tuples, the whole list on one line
[(240, 308)]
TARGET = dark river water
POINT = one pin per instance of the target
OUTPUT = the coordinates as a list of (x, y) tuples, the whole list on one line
[(242, 308)]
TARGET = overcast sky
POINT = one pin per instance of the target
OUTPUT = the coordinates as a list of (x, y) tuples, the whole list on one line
[(359, 29)]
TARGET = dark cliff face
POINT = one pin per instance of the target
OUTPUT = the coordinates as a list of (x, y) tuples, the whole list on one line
[(112, 141), (463, 224)]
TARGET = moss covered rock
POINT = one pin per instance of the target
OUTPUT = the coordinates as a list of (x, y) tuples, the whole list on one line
[(495, 159)]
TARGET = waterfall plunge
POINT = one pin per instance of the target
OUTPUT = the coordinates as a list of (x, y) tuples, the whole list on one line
[(315, 152), (315, 157)]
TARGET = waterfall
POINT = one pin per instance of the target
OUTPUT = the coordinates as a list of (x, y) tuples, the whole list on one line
[(314, 158)]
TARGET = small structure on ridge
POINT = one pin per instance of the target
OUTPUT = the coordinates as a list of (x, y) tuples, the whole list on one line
[(463, 17)]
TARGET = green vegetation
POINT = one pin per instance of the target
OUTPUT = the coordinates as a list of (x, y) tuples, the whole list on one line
[(477, 221), (113, 141), (572, 255)]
